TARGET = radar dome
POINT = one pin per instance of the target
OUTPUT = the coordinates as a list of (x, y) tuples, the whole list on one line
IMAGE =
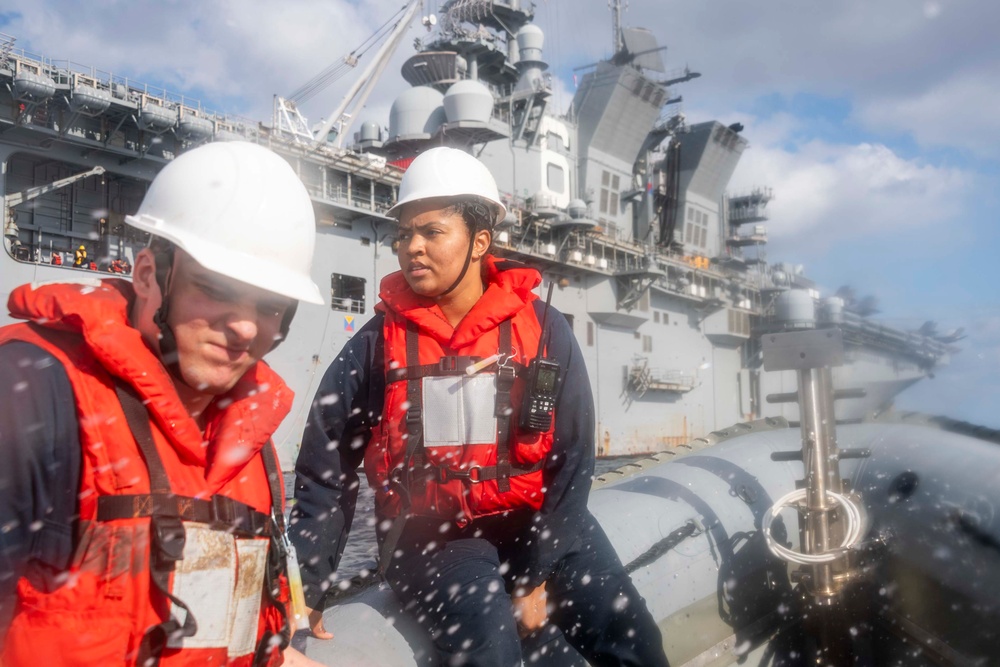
[(530, 40), (468, 100), (795, 308), (416, 114), (369, 131)]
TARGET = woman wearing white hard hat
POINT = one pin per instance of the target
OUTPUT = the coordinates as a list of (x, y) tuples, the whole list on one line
[(139, 437), (468, 401)]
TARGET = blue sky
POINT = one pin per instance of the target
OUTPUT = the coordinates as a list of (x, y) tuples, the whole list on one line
[(875, 124)]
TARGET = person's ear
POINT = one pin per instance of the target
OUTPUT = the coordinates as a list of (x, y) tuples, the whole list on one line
[(481, 243), (144, 275)]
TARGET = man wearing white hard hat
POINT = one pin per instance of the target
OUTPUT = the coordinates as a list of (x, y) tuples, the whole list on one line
[(467, 400), (140, 496)]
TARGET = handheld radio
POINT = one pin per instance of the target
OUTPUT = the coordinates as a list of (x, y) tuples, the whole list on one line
[(543, 383)]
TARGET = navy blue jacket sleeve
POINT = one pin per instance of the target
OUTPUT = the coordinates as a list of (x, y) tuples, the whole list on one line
[(40, 471), (346, 406), (569, 468)]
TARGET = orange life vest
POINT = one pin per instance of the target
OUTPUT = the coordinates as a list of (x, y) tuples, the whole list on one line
[(112, 594), (461, 481)]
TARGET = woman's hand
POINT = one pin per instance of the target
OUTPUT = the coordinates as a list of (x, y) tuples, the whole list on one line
[(530, 609), (316, 624)]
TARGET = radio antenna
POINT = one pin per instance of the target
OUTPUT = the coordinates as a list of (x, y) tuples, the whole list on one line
[(543, 338)]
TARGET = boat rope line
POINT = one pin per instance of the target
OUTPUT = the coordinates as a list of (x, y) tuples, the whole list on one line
[(971, 526), (660, 548), (852, 533)]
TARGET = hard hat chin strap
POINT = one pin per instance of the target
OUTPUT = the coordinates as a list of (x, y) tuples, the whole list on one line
[(286, 323), (163, 255), (465, 268), (478, 216)]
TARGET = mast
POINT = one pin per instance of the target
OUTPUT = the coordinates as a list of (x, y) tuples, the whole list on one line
[(616, 23)]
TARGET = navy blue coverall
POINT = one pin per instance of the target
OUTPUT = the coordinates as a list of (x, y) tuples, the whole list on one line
[(457, 581)]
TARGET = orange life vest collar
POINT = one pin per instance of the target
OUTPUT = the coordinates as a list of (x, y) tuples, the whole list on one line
[(451, 484)]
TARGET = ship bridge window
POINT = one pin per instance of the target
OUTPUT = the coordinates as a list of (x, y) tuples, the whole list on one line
[(554, 142), (555, 178), (347, 293)]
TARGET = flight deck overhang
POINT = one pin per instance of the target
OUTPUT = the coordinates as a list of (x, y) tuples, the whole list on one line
[(620, 319)]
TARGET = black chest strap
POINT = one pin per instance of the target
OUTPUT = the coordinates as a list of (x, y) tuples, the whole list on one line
[(415, 468), (167, 511)]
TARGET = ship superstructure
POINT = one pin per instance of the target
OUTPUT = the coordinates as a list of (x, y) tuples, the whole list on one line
[(620, 202)]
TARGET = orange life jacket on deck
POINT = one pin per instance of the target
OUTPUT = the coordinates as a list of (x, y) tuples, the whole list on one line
[(219, 503), (459, 481)]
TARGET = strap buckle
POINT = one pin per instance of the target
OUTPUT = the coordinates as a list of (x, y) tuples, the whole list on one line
[(506, 373), (223, 510), (471, 474), (168, 538), (413, 415), (448, 364)]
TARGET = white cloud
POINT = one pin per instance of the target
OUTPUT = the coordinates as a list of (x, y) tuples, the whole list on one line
[(921, 68), (924, 69), (238, 54), (960, 112), (828, 192)]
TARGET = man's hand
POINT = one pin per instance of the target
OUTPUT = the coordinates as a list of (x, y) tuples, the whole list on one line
[(316, 624), (530, 611)]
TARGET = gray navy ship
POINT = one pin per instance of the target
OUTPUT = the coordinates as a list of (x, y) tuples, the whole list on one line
[(621, 203), (857, 538)]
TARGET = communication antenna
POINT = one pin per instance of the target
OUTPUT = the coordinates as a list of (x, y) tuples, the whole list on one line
[(542, 387), (616, 22), (543, 339)]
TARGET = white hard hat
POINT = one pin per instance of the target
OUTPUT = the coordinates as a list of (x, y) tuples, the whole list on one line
[(448, 172), (239, 210)]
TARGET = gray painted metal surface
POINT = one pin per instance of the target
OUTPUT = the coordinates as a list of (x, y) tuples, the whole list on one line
[(669, 333), (687, 524)]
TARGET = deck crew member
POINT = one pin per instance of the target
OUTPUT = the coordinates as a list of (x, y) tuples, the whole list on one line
[(482, 519), (140, 495), (80, 257)]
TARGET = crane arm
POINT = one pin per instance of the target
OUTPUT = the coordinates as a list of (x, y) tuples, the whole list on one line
[(18, 198), (366, 82)]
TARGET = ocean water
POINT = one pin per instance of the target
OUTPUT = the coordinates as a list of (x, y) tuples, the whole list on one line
[(362, 551)]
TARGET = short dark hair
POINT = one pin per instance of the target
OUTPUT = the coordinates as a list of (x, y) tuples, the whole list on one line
[(476, 213)]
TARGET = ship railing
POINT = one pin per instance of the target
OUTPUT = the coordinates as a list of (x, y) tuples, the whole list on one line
[(642, 378), (660, 376), (6, 49), (18, 53), (69, 73), (868, 332), (910, 342)]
